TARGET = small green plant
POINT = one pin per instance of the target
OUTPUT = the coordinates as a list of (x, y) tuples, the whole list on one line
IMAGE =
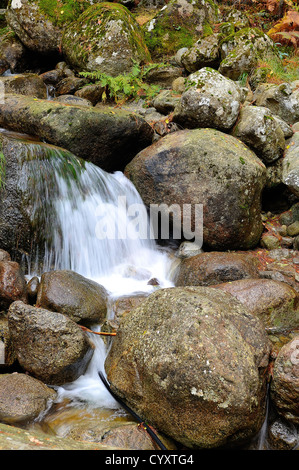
[(125, 86)]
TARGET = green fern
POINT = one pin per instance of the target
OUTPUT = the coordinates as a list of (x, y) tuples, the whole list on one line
[(124, 87)]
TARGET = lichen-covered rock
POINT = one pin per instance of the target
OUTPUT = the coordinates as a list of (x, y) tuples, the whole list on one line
[(174, 361), (63, 291), (22, 398), (258, 128), (179, 24), (290, 165), (204, 53), (107, 38), (48, 345), (240, 51), (285, 383), (210, 100), (280, 99), (39, 24), (208, 167)]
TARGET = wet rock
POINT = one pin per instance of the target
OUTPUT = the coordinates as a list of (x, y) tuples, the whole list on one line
[(72, 100), (285, 382), (181, 373), (12, 283), (258, 129), (22, 398), (166, 32), (114, 37), (28, 84), (52, 77), (208, 269), (34, 29), (207, 167), (67, 292), (111, 139), (282, 435), (280, 99), (275, 303), (48, 345), (32, 289), (271, 242), (123, 305), (204, 53), (290, 164), (210, 100)]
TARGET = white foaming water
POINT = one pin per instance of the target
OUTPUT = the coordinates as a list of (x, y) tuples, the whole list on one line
[(77, 203)]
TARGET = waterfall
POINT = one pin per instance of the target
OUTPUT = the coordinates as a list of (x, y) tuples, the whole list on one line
[(87, 223), (92, 222)]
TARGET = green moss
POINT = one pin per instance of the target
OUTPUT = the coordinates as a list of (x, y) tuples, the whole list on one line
[(62, 11), (171, 30)]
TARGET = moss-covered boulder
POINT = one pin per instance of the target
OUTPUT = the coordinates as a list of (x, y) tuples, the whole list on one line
[(48, 345), (39, 23), (179, 24), (106, 37)]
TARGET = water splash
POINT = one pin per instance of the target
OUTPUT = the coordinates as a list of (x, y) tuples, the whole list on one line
[(70, 198)]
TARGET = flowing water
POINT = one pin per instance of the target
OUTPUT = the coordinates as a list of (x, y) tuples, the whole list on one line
[(95, 224)]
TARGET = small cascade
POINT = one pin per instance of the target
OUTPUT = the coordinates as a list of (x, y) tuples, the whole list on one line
[(91, 222), (95, 224)]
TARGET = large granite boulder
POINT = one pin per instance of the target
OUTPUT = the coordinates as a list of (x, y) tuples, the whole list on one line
[(203, 167), (191, 361)]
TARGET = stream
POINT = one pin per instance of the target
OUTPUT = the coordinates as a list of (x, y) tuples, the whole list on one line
[(95, 224)]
